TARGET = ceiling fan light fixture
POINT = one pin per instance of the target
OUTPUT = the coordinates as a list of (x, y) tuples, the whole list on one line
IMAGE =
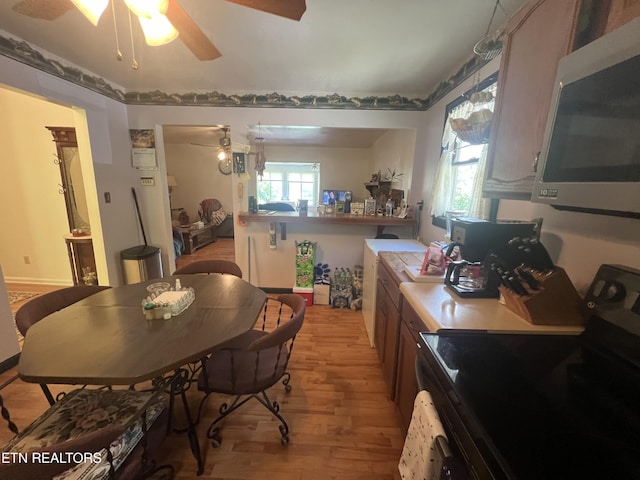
[(147, 8), (222, 155), (157, 30), (92, 9)]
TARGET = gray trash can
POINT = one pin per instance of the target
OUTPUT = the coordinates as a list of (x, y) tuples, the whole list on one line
[(141, 263)]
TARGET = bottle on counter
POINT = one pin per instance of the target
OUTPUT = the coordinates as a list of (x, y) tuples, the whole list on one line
[(388, 208)]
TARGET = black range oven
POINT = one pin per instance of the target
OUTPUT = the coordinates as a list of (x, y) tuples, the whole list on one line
[(537, 406)]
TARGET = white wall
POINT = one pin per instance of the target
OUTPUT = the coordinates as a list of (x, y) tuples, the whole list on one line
[(35, 216), (395, 150), (195, 169), (104, 121), (578, 242)]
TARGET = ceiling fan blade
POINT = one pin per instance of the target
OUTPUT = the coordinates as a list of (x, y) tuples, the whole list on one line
[(43, 9), (190, 34), (293, 9), (202, 144)]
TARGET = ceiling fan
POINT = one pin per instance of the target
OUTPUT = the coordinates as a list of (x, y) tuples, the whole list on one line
[(224, 152), (189, 32)]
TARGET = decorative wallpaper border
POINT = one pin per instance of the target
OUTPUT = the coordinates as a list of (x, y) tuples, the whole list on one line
[(23, 52)]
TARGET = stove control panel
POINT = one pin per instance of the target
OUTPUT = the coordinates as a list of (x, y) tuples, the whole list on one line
[(614, 295)]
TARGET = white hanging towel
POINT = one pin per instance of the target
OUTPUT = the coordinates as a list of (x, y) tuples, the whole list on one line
[(420, 458)]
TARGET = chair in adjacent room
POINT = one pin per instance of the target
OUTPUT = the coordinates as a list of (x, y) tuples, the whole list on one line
[(211, 211), (47, 303), (255, 362), (210, 266)]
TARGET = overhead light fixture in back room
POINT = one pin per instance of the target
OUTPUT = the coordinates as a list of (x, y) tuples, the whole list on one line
[(225, 146)]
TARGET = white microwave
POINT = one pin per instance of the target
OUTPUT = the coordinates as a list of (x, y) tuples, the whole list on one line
[(590, 158)]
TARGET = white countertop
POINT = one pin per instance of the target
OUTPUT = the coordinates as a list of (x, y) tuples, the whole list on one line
[(394, 245), (441, 309)]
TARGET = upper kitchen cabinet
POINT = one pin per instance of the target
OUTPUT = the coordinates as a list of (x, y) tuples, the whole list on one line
[(620, 12), (537, 36)]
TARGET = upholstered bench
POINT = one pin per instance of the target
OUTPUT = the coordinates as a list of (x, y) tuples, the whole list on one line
[(85, 435)]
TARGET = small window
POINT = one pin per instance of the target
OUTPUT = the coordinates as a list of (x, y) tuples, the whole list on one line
[(458, 185), (289, 181)]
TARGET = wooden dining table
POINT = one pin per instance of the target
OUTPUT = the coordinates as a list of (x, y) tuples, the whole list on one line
[(105, 339)]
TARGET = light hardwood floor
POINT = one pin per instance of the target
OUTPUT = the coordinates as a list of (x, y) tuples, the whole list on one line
[(223, 248), (342, 423)]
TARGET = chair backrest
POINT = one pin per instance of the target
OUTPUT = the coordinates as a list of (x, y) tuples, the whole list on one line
[(261, 357), (210, 266), (47, 303), (283, 331)]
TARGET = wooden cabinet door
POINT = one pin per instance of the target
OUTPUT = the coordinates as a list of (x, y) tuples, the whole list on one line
[(390, 359), (537, 36), (381, 308), (406, 382), (386, 335), (620, 12)]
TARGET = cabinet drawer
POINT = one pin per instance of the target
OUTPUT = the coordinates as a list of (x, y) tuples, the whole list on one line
[(390, 285), (413, 322)]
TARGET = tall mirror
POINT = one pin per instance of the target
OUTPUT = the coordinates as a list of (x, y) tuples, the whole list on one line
[(79, 242), (68, 160)]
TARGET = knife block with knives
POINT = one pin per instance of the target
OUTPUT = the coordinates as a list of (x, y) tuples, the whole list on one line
[(533, 287), (555, 302)]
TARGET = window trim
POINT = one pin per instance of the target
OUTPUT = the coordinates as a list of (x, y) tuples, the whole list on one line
[(441, 221), (290, 167)]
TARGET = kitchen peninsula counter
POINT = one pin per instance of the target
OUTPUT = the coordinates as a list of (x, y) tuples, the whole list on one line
[(313, 218)]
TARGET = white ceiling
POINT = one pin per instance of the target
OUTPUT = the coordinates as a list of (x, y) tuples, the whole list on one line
[(349, 47)]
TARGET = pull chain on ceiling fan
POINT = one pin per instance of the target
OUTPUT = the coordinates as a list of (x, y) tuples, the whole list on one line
[(161, 20)]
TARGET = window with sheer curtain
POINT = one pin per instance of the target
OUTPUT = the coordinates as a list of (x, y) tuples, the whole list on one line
[(289, 181), (458, 185)]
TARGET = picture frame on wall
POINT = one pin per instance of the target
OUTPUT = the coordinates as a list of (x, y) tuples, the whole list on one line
[(239, 162), (143, 151)]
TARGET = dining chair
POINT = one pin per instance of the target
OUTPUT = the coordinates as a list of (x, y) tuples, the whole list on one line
[(210, 266), (47, 303), (99, 434), (255, 362)]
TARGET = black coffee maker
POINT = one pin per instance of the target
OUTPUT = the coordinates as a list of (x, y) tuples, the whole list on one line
[(475, 238)]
